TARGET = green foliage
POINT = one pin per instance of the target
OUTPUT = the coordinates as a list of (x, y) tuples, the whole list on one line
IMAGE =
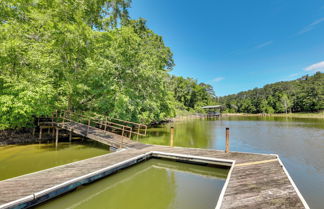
[(190, 95), (80, 55), (302, 95), (86, 56)]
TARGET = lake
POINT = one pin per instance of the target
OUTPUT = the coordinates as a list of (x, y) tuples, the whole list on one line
[(16, 160), (154, 184), (298, 142)]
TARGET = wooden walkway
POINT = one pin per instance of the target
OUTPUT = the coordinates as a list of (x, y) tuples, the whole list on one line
[(99, 135), (110, 131), (255, 180)]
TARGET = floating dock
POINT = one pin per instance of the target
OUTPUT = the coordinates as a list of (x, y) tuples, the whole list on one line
[(254, 180)]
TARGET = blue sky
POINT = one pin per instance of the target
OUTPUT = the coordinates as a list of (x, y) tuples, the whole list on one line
[(239, 45)]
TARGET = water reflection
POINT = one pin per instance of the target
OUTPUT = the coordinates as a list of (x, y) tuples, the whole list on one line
[(157, 184)]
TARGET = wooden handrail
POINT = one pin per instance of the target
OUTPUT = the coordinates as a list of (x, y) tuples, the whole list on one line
[(103, 121), (108, 122), (139, 126), (124, 121)]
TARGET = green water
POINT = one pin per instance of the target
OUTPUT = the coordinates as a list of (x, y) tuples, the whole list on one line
[(23, 159), (154, 184), (299, 143)]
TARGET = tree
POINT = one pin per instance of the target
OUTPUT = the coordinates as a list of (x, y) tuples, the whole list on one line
[(305, 94), (285, 102), (83, 56), (191, 94)]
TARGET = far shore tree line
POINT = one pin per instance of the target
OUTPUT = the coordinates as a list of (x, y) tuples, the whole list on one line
[(305, 94)]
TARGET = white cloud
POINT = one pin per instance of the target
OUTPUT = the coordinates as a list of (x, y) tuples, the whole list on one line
[(311, 26), (264, 44), (218, 79), (316, 67)]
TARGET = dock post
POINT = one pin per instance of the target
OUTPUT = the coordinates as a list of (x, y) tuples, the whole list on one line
[(53, 132), (138, 130), (227, 141), (106, 123), (88, 127), (40, 133), (70, 136), (57, 137), (130, 134), (171, 136), (123, 130)]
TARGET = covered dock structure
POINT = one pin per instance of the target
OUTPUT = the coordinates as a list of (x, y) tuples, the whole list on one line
[(213, 110)]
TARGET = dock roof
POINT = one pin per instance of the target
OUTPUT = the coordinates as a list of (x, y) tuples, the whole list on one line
[(212, 106)]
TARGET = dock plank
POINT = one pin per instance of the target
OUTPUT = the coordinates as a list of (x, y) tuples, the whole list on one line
[(252, 186), (260, 186)]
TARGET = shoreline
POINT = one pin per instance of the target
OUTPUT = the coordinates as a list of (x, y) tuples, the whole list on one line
[(282, 115), (288, 115)]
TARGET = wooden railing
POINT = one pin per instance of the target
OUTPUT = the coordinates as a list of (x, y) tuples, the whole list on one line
[(137, 128), (122, 127)]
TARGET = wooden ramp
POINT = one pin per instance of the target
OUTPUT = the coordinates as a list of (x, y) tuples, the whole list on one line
[(254, 180), (99, 135), (110, 131)]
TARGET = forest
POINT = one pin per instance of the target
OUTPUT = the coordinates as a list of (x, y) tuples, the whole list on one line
[(82, 55), (305, 94), (85, 55)]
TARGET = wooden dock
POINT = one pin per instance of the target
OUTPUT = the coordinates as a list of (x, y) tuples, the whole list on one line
[(113, 132), (99, 135), (254, 181)]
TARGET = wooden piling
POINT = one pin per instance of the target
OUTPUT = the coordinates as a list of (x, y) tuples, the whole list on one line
[(171, 136), (70, 136), (130, 133), (57, 137), (88, 127), (106, 123), (138, 130), (123, 130), (40, 133), (227, 141)]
